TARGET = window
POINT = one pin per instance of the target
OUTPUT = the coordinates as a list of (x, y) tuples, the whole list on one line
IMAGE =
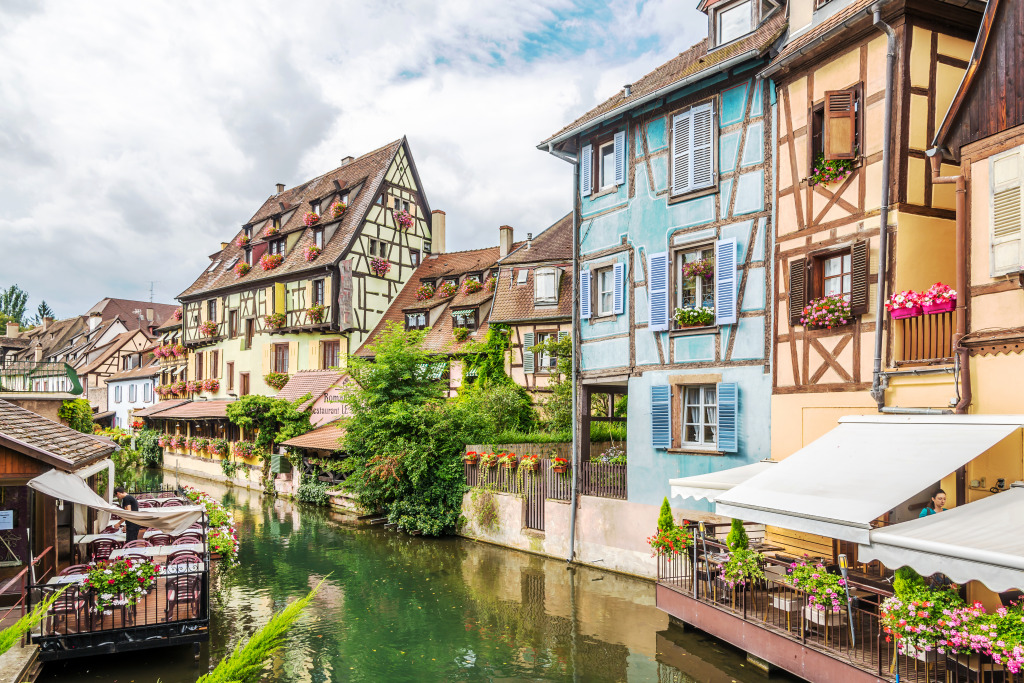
[(607, 168), (426, 247), (318, 292), (700, 415), (243, 384), (211, 309), (316, 207), (837, 271), (836, 274), (606, 165), (117, 394), (836, 126), (694, 141), (330, 354), (318, 237), (280, 358), (605, 292), (415, 321), (276, 247), (214, 364), (199, 365), (545, 282), (452, 280), (1007, 237), (414, 257), (695, 292), (475, 277), (233, 324), (147, 392), (133, 393), (733, 22), (248, 231), (546, 362), (230, 375), (464, 318), (250, 331), (248, 255), (276, 223), (521, 276)]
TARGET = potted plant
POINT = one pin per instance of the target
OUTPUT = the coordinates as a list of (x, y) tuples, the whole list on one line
[(119, 583), (939, 298), (424, 292), (272, 230), (488, 460), (742, 566), (311, 252), (559, 465), (697, 316), (470, 457), (828, 311), (191, 387), (276, 380), (199, 445), (316, 313), (403, 219), (208, 328), (447, 290), (905, 304), (243, 241), (218, 447), (179, 387), (530, 463), (701, 268), (241, 269), (828, 171), (669, 539), (471, 286), (380, 266), (338, 209), (826, 593), (179, 350), (310, 219), (508, 460), (271, 261), (243, 449), (275, 320)]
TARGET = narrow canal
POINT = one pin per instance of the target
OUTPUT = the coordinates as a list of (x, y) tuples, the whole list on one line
[(400, 608)]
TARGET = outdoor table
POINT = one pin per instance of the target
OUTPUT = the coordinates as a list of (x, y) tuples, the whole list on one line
[(83, 540), (167, 570), (158, 550)]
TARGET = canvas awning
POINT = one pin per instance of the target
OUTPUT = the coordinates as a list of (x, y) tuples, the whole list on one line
[(838, 485), (967, 543), (710, 486), (65, 486)]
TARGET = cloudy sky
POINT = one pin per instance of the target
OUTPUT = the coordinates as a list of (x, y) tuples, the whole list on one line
[(136, 136)]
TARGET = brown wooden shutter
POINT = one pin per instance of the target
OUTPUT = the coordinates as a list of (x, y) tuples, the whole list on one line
[(859, 286), (797, 289), (840, 124)]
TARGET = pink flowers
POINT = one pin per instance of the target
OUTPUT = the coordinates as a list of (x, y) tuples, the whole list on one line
[(380, 266), (424, 292), (908, 299), (447, 290), (316, 313), (828, 311), (241, 268), (243, 241), (938, 294), (272, 230), (704, 268), (271, 261), (310, 219), (275, 320), (211, 385), (403, 219), (177, 314), (209, 328), (471, 286), (311, 252), (338, 209)]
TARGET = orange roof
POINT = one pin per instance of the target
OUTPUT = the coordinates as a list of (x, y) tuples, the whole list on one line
[(323, 438), (312, 382)]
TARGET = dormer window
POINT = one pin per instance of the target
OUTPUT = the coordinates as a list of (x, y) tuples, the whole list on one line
[(248, 231), (276, 247), (475, 277), (545, 283), (464, 318), (316, 207), (416, 321), (733, 21), (277, 223)]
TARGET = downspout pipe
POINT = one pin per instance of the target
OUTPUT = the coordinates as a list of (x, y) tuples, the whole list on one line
[(877, 392), (961, 276)]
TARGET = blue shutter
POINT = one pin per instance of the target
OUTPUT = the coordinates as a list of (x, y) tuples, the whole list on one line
[(728, 418), (657, 291), (661, 417), (725, 282), (527, 354), (702, 152), (620, 157), (681, 134), (586, 168), (617, 304), (585, 294)]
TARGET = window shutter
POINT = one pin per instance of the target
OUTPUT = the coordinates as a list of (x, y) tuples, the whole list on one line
[(728, 417), (314, 354), (797, 289), (267, 350), (527, 354), (620, 157), (859, 281), (585, 294), (617, 303), (681, 152), (702, 147), (1007, 231), (293, 357), (191, 368), (840, 124), (657, 292), (563, 334), (586, 169), (725, 282), (661, 417)]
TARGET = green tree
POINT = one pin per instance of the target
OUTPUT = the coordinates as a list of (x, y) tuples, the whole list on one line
[(13, 302), (150, 451), (77, 414), (737, 538), (505, 406), (558, 405), (43, 310), (665, 520), (273, 420)]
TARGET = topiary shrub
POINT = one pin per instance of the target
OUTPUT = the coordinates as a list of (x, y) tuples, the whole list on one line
[(665, 520), (737, 537)]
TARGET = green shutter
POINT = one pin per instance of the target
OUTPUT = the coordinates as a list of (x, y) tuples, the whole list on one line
[(527, 354)]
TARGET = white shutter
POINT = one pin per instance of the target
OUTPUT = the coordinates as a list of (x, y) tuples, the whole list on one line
[(585, 294), (586, 168), (681, 134), (620, 157), (617, 271), (725, 282), (657, 291), (702, 151), (1005, 171), (527, 354)]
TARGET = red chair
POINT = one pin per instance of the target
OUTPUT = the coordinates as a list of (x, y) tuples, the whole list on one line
[(136, 557), (172, 503), (137, 544), (144, 496), (75, 569), (112, 529), (101, 548), (165, 494), (185, 539), (160, 539), (197, 526), (183, 592), (187, 555), (148, 504), (69, 604)]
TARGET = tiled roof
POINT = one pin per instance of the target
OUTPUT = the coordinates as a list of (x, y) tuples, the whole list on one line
[(688, 64), (33, 435), (554, 244), (57, 334), (194, 410), (368, 170), (109, 350), (804, 39), (323, 438), (13, 342), (314, 382), (149, 370), (125, 310), (514, 302), (158, 408)]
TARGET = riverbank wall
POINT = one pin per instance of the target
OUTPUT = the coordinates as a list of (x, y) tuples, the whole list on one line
[(246, 476)]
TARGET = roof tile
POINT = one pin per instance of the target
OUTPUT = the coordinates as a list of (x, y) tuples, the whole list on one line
[(51, 437)]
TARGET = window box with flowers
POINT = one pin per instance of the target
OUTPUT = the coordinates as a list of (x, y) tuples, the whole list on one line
[(310, 219), (316, 313), (471, 286), (241, 269), (311, 252), (424, 292), (243, 241), (698, 316), (272, 230), (179, 350), (403, 219), (461, 334), (199, 445), (244, 449), (828, 171), (271, 261), (559, 465), (218, 447), (491, 283), (380, 266), (179, 387), (530, 463), (470, 457), (905, 304), (275, 320), (702, 268), (211, 385), (488, 460), (827, 312), (508, 460), (276, 380), (338, 209), (208, 328), (939, 298), (192, 387), (447, 290)]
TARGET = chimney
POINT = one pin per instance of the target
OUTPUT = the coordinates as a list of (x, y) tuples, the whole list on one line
[(504, 240), (437, 218), (280, 188), (529, 239), (94, 320), (627, 90), (224, 245), (12, 329), (149, 314), (347, 160), (47, 321), (39, 352)]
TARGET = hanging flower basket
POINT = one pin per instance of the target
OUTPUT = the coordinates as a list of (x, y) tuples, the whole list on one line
[(488, 460), (209, 328), (704, 268), (120, 583), (243, 241), (316, 313), (470, 457), (447, 290), (559, 465), (828, 311), (275, 320), (177, 314), (424, 292), (380, 266), (530, 463), (310, 219), (311, 252), (241, 269), (471, 286), (271, 261), (338, 209), (276, 380), (403, 219)]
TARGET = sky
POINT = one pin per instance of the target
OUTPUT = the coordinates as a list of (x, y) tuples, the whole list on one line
[(137, 136)]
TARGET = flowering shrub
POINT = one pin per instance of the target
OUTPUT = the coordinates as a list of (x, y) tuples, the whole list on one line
[(424, 292), (218, 447), (743, 565), (380, 266), (316, 313), (338, 209), (828, 311), (403, 219), (241, 268), (271, 261), (311, 252), (191, 387), (310, 219), (461, 334), (177, 314), (508, 460), (209, 328), (938, 294), (825, 592), (698, 316), (471, 286), (488, 460), (243, 241), (244, 449), (275, 320), (491, 283), (704, 268), (119, 583), (530, 463), (827, 172), (447, 290), (276, 380), (211, 385), (905, 299), (671, 541)]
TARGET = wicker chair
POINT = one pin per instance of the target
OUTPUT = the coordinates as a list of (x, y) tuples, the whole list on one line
[(185, 539), (172, 503), (150, 503)]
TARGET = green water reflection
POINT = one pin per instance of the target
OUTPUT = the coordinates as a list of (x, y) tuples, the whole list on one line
[(401, 608)]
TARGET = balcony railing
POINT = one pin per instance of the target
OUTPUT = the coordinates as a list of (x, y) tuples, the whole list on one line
[(39, 377), (924, 339), (301, 318)]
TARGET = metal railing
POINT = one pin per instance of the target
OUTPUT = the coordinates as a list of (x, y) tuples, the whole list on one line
[(925, 339), (39, 377)]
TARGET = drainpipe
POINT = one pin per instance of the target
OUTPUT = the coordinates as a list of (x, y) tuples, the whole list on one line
[(877, 392)]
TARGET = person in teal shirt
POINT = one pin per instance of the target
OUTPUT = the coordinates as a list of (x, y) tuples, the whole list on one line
[(938, 504)]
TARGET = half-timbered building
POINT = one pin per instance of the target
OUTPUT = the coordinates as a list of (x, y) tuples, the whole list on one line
[(308, 276)]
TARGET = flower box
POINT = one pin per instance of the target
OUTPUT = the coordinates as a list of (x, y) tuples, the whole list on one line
[(530, 463), (929, 656), (824, 617), (944, 307), (470, 458), (559, 469), (902, 313)]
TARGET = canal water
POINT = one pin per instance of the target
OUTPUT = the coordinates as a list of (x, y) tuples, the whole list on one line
[(395, 607)]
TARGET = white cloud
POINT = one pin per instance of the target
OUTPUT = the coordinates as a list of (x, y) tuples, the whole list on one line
[(138, 136)]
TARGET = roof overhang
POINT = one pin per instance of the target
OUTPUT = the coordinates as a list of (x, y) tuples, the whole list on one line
[(49, 458)]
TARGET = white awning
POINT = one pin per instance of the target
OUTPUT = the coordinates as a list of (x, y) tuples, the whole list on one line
[(837, 485), (710, 486), (968, 543)]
